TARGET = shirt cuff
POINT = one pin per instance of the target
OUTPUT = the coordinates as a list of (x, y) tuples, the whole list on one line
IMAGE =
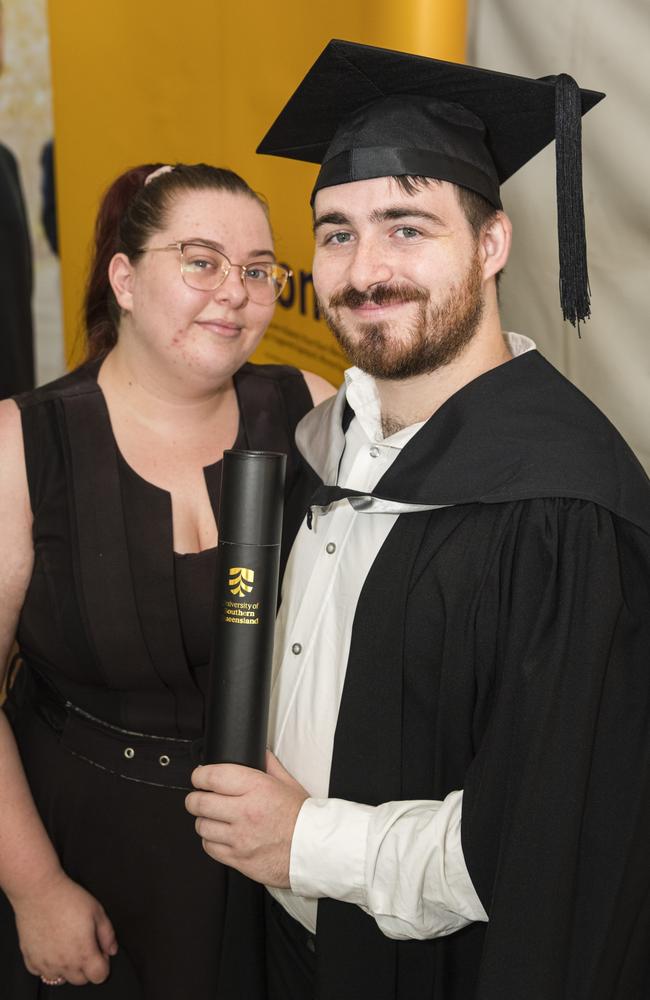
[(418, 885), (328, 850)]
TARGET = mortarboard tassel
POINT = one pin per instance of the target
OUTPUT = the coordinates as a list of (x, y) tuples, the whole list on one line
[(574, 279)]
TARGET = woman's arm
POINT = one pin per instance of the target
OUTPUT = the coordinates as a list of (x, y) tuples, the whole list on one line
[(63, 931)]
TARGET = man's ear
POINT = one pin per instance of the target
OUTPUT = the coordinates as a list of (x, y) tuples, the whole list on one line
[(120, 275), (495, 242)]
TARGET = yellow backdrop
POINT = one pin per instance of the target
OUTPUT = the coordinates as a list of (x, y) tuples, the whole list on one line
[(153, 80)]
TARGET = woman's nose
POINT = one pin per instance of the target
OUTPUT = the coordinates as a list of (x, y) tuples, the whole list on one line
[(232, 289)]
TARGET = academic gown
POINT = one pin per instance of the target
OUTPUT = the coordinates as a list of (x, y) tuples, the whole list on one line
[(501, 644)]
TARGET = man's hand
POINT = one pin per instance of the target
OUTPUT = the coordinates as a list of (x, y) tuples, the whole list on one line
[(246, 818)]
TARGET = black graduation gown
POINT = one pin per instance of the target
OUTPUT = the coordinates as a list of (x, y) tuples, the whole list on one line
[(501, 645), (101, 624)]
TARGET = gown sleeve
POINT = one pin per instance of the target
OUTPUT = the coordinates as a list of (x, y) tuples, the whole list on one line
[(556, 810)]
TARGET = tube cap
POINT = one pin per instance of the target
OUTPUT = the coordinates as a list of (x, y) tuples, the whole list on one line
[(252, 496)]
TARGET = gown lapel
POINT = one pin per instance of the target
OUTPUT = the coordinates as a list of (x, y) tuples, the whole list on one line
[(367, 759)]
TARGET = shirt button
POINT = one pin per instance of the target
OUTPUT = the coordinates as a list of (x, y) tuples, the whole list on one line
[(374, 452), (330, 547), (296, 648)]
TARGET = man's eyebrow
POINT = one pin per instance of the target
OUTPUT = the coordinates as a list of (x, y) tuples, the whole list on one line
[(404, 212), (203, 242), (331, 219), (380, 215)]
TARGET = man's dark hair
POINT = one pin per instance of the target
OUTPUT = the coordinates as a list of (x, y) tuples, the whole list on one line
[(478, 211)]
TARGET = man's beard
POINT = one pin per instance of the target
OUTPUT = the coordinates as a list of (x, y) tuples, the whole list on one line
[(439, 334)]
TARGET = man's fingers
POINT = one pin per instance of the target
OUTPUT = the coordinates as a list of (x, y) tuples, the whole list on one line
[(226, 779), (210, 805), (214, 831), (218, 852)]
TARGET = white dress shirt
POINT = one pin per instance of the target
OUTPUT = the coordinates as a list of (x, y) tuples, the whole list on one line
[(402, 862)]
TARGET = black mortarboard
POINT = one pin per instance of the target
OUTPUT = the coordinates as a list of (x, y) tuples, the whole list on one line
[(366, 112)]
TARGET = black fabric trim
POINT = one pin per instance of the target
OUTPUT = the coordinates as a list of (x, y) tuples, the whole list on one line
[(520, 431), (385, 161)]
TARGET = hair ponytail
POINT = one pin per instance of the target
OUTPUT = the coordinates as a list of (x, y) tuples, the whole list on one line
[(101, 312)]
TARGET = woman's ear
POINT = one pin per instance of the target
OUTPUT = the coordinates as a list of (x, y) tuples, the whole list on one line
[(120, 275), (495, 242)]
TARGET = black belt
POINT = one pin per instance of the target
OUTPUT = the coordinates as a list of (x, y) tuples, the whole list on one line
[(165, 761)]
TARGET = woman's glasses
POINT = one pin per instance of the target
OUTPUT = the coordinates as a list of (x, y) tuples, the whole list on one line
[(204, 268)]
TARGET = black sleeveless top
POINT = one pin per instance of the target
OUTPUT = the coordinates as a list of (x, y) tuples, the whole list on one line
[(115, 620), (194, 577)]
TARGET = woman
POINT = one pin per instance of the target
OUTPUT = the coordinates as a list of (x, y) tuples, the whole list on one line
[(107, 551)]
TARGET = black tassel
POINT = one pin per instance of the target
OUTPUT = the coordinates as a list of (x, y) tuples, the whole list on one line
[(574, 279)]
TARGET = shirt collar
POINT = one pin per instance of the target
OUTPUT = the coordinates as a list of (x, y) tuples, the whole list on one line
[(361, 394), (319, 435)]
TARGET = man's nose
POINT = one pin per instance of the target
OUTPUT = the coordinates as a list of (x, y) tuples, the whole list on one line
[(370, 265)]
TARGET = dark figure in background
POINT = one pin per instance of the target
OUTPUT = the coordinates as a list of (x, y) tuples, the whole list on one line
[(48, 196), (108, 503), (16, 331), (16, 285)]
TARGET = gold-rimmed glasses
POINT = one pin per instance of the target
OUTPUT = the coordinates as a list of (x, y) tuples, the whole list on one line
[(205, 268)]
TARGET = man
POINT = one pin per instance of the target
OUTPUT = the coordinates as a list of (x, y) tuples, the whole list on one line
[(461, 697)]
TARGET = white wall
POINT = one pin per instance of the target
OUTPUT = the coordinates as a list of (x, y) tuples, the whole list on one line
[(605, 46)]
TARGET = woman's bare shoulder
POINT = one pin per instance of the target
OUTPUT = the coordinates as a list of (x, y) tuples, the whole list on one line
[(16, 547), (319, 387), (11, 435), (14, 492)]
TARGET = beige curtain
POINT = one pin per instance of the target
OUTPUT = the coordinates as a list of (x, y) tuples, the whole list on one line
[(605, 47)]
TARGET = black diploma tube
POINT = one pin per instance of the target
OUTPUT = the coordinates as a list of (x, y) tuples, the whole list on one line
[(248, 564)]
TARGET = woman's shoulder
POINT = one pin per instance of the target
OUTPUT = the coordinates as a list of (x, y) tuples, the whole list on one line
[(10, 429), (13, 481), (318, 387), (80, 379), (33, 418)]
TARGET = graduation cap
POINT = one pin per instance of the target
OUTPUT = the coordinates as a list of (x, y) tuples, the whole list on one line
[(364, 112)]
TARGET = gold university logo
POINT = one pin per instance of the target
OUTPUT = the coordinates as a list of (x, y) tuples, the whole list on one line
[(240, 580)]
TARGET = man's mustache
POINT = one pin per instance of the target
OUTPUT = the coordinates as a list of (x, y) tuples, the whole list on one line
[(377, 295)]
